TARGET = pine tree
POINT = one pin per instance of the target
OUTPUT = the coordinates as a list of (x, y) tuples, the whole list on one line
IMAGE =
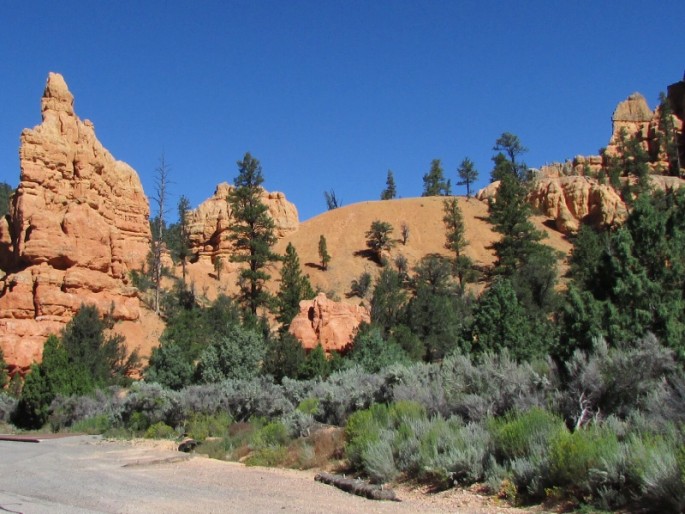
[(252, 233), (390, 191), (456, 239), (379, 240), (468, 174), (160, 198), (324, 257), (510, 146), (295, 287), (434, 183), (183, 251)]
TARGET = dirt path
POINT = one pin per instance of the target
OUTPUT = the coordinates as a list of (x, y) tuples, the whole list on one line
[(86, 474)]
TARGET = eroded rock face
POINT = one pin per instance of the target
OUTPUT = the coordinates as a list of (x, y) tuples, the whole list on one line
[(571, 200), (331, 324), (77, 225), (209, 223)]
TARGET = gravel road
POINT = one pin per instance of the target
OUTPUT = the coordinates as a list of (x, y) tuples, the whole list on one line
[(87, 474)]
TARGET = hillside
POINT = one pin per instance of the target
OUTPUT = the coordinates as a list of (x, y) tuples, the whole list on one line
[(344, 229)]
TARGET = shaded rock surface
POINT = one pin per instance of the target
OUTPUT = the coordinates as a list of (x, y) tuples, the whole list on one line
[(326, 322), (78, 224)]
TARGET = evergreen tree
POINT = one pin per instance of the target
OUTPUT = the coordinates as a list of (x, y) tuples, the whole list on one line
[(237, 355), (170, 367), (252, 233), (160, 198), (4, 376), (438, 313), (510, 146), (5, 195), (501, 321), (456, 240), (379, 240), (468, 174), (501, 167), (315, 365), (285, 357), (101, 357), (373, 353), (434, 183), (324, 257), (183, 251), (388, 301), (529, 264), (390, 191), (295, 287)]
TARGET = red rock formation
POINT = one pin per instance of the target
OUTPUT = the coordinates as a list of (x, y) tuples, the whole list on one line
[(208, 224), (78, 224), (331, 324)]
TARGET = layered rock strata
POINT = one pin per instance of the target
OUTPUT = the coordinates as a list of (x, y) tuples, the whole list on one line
[(78, 224)]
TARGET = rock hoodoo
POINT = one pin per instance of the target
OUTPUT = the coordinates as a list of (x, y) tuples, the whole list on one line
[(331, 324), (208, 224), (78, 223)]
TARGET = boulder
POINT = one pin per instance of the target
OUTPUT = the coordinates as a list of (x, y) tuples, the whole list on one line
[(326, 322), (78, 224)]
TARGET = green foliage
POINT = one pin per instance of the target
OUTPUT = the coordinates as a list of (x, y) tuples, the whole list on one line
[(379, 240), (160, 430), (324, 256), (519, 434), (284, 357), (200, 426), (434, 183), (510, 148), (237, 355), (360, 286), (439, 312), (390, 190), (501, 321), (468, 174), (455, 240), (5, 195), (4, 377), (388, 300), (252, 233), (170, 367), (294, 288), (315, 365), (94, 425), (372, 352)]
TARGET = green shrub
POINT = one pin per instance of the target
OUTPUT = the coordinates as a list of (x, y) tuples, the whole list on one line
[(271, 456), (271, 435), (516, 434), (309, 406), (573, 455), (363, 427), (201, 426), (378, 459), (160, 430), (92, 426)]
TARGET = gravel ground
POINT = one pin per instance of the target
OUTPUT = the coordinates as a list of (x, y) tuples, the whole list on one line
[(88, 474)]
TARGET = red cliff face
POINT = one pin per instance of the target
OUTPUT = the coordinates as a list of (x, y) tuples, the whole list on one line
[(78, 224)]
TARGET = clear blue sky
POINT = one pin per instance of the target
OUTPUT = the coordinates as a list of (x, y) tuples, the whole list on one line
[(331, 94)]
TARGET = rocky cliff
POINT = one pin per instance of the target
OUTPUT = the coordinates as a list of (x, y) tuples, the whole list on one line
[(77, 225), (571, 193), (208, 224), (331, 324)]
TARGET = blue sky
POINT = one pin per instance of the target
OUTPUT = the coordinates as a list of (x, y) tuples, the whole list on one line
[(331, 94)]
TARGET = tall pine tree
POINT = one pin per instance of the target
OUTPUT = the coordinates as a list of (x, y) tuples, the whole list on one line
[(294, 287), (252, 233)]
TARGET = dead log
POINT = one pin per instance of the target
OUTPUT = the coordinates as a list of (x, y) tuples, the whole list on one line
[(358, 487)]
